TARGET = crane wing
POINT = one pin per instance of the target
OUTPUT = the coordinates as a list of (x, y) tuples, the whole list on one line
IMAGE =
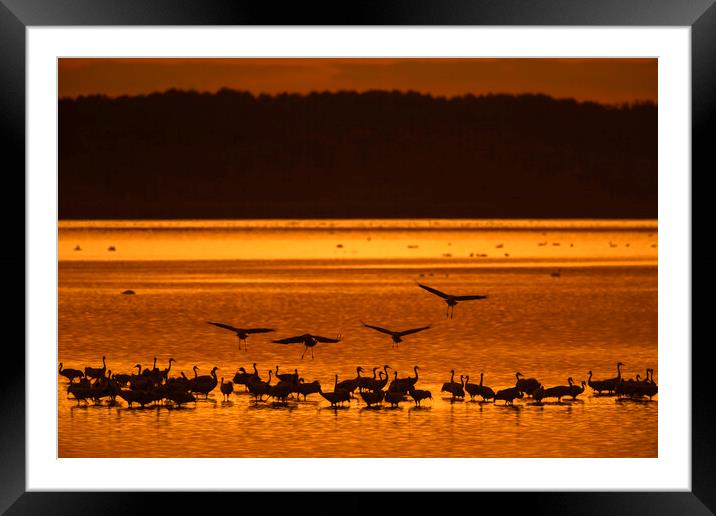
[(225, 326), (469, 298), (382, 330), (414, 330), (434, 291), (325, 339), (259, 330), (291, 340)]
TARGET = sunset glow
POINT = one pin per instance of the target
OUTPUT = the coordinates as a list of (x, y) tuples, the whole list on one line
[(378, 258), (600, 80)]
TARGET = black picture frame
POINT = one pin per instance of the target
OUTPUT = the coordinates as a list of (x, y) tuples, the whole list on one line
[(17, 15)]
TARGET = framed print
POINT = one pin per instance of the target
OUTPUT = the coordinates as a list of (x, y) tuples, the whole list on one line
[(285, 253)]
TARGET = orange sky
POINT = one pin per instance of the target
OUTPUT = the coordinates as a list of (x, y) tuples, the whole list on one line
[(602, 80)]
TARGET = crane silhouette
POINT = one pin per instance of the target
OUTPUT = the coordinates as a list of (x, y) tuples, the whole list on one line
[(450, 299), (241, 333), (396, 335), (308, 340)]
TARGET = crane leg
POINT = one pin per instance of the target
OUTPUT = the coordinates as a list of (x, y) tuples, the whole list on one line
[(311, 353), (304, 352)]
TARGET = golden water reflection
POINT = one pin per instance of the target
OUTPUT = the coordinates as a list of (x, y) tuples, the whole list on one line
[(601, 309)]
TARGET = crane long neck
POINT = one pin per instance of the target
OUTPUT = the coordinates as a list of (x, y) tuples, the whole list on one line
[(619, 370), (481, 375), (416, 372), (60, 366), (452, 376), (256, 371)]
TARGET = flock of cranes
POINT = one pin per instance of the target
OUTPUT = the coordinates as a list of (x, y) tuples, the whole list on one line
[(310, 341), (156, 386), (153, 386)]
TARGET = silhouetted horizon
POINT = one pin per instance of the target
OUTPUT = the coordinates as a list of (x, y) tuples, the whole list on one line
[(183, 154), (605, 80), (266, 94)]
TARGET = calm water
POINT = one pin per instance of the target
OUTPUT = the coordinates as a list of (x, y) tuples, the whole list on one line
[(324, 278)]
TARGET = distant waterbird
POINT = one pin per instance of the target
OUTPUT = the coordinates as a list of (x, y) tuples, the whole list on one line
[(372, 397), (206, 383), (608, 385), (599, 385), (419, 395), (478, 390), (452, 384), (96, 372), (376, 384), (258, 387), (241, 333), (397, 336), (71, 374), (403, 384), (351, 384), (508, 395), (558, 391), (450, 299), (394, 398), (526, 385), (287, 377), (649, 388), (226, 388), (165, 372), (337, 396), (365, 381), (576, 390), (308, 340), (243, 378), (308, 388), (456, 390)]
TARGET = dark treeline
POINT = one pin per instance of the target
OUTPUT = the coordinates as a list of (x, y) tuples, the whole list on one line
[(376, 154)]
